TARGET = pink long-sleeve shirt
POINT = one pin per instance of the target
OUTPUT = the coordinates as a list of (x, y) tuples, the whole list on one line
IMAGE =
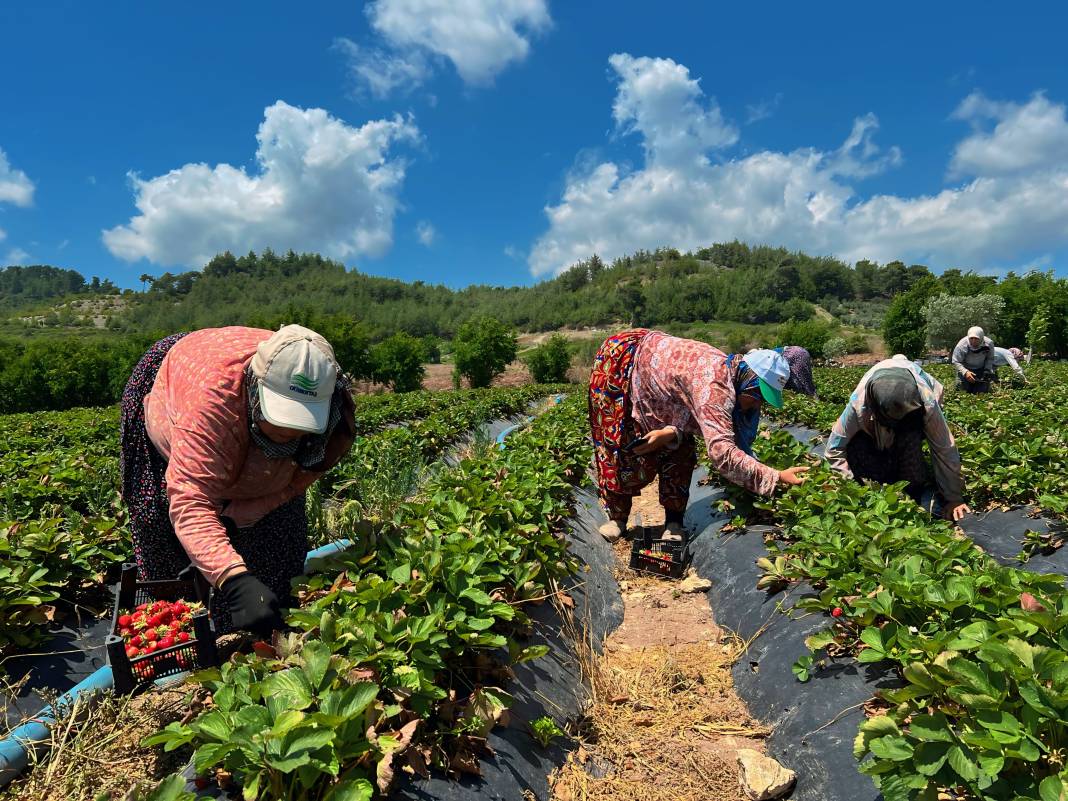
[(197, 417), (687, 384)]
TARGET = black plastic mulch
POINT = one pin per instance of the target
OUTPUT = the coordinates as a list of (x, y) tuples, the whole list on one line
[(814, 723)]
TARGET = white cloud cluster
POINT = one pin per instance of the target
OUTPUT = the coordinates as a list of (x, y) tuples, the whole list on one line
[(479, 37), (322, 185), (15, 186), (17, 189), (659, 100), (1013, 205), (1025, 137)]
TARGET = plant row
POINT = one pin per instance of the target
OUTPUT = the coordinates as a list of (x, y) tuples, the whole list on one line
[(62, 523), (980, 651), (1013, 442), (401, 651)]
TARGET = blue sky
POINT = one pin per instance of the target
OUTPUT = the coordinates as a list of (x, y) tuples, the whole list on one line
[(497, 141)]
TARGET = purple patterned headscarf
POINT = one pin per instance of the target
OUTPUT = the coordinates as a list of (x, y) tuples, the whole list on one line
[(800, 370)]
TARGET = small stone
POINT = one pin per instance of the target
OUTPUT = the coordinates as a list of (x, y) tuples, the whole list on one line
[(761, 777), (694, 583)]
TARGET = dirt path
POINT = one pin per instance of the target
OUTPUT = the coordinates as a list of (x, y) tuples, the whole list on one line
[(665, 722)]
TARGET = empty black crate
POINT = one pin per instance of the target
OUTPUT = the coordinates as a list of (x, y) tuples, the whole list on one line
[(196, 653)]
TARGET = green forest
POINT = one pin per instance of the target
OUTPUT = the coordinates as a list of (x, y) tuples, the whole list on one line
[(751, 293)]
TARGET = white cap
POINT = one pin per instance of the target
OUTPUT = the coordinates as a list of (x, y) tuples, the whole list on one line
[(773, 371), (975, 332), (297, 374)]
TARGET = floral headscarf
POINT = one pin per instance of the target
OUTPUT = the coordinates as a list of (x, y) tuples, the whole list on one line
[(800, 362)]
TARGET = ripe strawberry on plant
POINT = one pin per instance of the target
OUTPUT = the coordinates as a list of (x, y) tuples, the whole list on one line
[(837, 612)]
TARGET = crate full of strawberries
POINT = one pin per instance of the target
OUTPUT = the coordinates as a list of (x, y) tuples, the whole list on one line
[(158, 629)]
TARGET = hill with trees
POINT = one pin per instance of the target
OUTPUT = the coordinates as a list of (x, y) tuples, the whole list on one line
[(729, 282), (384, 330)]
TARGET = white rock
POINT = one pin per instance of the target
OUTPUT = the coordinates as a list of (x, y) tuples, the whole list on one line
[(694, 583), (761, 777)]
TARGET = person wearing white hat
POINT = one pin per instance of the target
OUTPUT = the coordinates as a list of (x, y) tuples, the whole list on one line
[(1007, 357), (650, 394), (880, 434), (222, 431), (973, 358)]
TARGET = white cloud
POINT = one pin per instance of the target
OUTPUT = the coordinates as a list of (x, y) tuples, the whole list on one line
[(512, 252), (15, 186), (805, 198), (755, 112), (658, 99), (383, 72), (479, 37), (321, 185), (425, 232), (17, 256), (1025, 136)]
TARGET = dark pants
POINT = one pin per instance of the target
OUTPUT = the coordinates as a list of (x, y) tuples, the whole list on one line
[(981, 383), (675, 471), (902, 461)]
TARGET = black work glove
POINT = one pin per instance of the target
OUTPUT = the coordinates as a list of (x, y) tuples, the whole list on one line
[(253, 607)]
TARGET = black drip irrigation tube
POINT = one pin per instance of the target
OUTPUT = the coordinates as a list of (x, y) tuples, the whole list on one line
[(814, 723)]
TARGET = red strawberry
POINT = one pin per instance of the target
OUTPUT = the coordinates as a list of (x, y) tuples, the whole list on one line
[(132, 651), (151, 635), (151, 647), (125, 621), (837, 612), (126, 632), (142, 607), (180, 608), (137, 641), (182, 636), (264, 650), (183, 661), (166, 642), (146, 672)]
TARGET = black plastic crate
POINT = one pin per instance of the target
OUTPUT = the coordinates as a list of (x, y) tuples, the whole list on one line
[(196, 653), (666, 558)]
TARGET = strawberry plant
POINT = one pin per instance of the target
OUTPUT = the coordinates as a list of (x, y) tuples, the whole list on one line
[(393, 637), (980, 650)]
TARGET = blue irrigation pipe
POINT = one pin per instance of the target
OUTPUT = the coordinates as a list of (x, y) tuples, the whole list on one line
[(15, 748)]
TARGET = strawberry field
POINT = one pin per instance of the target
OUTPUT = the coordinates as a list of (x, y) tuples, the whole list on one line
[(959, 660), (402, 646)]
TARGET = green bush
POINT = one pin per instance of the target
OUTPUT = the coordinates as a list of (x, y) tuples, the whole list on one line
[(398, 361), (811, 335), (856, 343), (549, 363), (835, 348), (905, 326), (482, 348)]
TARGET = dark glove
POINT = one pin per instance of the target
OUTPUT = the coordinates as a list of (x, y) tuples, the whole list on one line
[(253, 607)]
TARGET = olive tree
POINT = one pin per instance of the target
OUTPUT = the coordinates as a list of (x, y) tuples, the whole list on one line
[(949, 317)]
